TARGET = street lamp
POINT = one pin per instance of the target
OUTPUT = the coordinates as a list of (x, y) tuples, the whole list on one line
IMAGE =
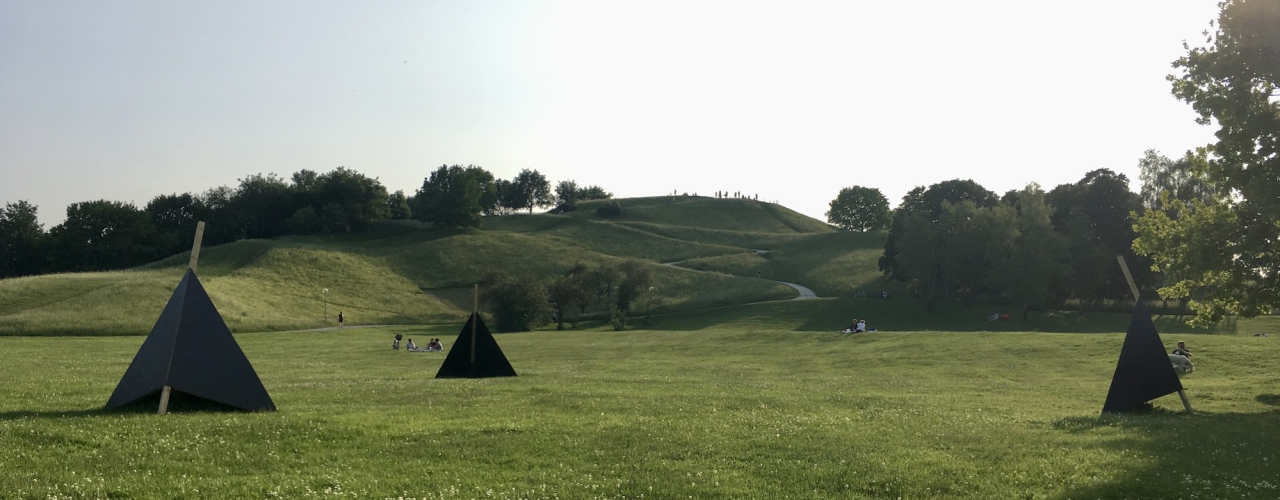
[(325, 293)]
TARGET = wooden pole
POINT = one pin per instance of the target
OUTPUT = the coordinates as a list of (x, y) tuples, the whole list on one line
[(195, 246), (475, 318), (195, 260), (1133, 288), (164, 401)]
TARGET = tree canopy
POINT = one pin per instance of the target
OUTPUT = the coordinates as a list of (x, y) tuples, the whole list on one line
[(451, 196), (20, 240), (859, 208), (1222, 251)]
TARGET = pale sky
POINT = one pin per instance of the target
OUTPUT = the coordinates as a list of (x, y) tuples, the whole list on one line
[(792, 101)]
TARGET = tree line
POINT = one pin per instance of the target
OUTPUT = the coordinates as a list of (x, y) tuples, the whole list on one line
[(1203, 229), (102, 234), (956, 239), (613, 291)]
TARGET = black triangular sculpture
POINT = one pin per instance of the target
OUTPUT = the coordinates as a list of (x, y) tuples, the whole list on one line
[(191, 350), (488, 360), (1143, 372)]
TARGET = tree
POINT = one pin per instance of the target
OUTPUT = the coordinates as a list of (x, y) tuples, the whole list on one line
[(971, 237), (927, 203), (1164, 179), (593, 192), (531, 189), (566, 198), (505, 198), (1095, 215), (1030, 269), (567, 290), (609, 210), (264, 204), (175, 217), (601, 284), (100, 235), (1223, 254), (636, 280), (519, 303), (223, 224), (21, 239), (859, 208), (451, 196), (348, 200), (398, 206)]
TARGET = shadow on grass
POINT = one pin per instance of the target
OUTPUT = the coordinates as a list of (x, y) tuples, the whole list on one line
[(1173, 454), (178, 403)]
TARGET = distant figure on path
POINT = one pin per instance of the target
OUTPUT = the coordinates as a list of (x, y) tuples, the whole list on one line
[(340, 319)]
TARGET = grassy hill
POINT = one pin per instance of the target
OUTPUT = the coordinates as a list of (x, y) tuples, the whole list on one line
[(406, 273), (732, 214)]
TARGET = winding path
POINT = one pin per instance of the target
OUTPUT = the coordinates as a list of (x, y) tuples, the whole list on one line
[(805, 292)]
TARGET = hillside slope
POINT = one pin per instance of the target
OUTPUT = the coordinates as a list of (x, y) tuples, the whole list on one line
[(406, 273)]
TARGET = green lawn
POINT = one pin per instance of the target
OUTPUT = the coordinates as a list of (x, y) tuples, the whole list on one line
[(742, 407)]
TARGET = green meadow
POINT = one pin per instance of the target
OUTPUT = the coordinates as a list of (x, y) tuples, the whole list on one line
[(728, 411), (731, 390)]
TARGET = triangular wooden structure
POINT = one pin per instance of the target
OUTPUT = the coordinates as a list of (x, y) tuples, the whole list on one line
[(1143, 372), (475, 354), (190, 351)]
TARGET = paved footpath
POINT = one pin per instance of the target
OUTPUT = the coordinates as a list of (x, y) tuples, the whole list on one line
[(805, 292)]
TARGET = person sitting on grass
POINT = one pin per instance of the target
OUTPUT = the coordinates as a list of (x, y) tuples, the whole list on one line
[(412, 346), (439, 345), (1181, 360), (1182, 350), (862, 326)]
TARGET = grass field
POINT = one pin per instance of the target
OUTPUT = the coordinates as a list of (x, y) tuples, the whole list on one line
[(744, 408)]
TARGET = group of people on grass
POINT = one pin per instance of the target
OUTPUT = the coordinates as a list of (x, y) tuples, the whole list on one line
[(432, 346), (858, 326)]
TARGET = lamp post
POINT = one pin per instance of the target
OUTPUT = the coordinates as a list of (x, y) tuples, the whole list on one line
[(325, 293)]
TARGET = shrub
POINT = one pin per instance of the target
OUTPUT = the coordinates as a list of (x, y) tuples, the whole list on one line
[(613, 209), (519, 303)]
